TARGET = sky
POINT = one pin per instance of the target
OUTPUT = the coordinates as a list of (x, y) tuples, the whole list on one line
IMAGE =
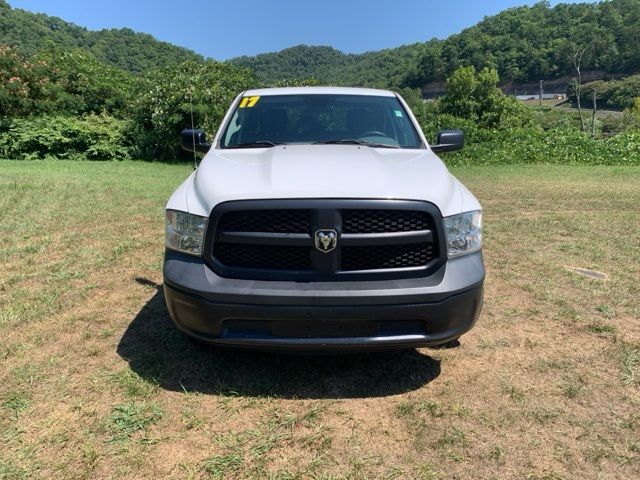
[(226, 29)]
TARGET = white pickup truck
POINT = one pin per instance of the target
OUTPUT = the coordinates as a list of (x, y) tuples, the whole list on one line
[(321, 219)]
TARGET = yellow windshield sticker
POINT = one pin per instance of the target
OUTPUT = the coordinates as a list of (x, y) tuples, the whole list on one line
[(248, 102)]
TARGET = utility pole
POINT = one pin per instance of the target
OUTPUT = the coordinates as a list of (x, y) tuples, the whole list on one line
[(541, 92)]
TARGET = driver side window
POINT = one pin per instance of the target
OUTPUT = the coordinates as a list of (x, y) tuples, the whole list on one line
[(361, 120)]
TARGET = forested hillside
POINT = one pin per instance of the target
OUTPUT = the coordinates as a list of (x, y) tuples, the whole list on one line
[(67, 92), (523, 44), (384, 68), (533, 43), (122, 48)]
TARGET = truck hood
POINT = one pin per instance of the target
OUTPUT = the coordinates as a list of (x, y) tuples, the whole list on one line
[(321, 171)]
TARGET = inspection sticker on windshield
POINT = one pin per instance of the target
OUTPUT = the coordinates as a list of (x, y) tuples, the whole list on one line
[(398, 113), (248, 102)]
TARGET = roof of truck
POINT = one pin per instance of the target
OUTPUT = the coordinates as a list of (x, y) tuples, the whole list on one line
[(319, 91)]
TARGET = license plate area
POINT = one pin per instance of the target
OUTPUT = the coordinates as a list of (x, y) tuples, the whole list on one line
[(320, 329)]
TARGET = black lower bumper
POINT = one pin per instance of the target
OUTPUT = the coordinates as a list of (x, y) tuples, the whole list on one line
[(405, 313)]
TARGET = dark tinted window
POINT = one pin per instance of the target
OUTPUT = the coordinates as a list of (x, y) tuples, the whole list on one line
[(320, 118)]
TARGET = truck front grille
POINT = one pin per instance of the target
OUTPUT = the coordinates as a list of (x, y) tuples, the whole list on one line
[(275, 239), (270, 221), (270, 257), (381, 221), (386, 256)]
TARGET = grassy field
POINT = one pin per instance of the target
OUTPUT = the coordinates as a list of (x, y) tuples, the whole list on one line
[(96, 383), (567, 108)]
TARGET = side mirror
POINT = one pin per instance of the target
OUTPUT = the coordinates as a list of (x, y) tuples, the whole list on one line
[(194, 141), (448, 141)]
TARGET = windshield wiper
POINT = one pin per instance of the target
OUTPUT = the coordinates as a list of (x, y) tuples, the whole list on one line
[(353, 141), (258, 144)]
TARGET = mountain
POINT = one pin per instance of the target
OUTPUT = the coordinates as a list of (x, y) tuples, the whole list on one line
[(525, 44), (382, 68), (122, 48)]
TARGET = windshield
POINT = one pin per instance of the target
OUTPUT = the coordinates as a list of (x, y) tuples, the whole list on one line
[(311, 118)]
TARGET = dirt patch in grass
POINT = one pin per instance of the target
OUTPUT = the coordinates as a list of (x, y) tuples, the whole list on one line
[(95, 382)]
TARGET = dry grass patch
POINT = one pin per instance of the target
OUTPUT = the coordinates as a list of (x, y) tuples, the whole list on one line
[(95, 382)]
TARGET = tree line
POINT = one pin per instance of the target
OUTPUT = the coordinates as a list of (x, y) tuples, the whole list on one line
[(122, 48), (523, 44), (62, 101)]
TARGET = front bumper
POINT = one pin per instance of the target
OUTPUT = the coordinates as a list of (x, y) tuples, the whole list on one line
[(369, 315)]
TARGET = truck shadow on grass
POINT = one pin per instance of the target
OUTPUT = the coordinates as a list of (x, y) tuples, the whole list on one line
[(161, 354)]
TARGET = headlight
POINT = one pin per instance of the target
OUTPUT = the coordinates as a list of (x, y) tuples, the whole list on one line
[(464, 233), (185, 232)]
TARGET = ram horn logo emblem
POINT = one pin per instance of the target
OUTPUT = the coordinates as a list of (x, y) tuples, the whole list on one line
[(326, 240)]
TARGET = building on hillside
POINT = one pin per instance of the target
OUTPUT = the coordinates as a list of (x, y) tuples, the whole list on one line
[(545, 96)]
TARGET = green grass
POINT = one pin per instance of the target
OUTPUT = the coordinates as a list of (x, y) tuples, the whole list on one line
[(601, 328), (129, 418), (95, 382), (631, 365), (16, 402), (223, 466)]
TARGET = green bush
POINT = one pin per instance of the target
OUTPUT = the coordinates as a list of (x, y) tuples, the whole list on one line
[(631, 116), (163, 108), (554, 117), (613, 94), (62, 82), (472, 131), (476, 96), (92, 137), (562, 145), (24, 85), (500, 130), (80, 84)]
